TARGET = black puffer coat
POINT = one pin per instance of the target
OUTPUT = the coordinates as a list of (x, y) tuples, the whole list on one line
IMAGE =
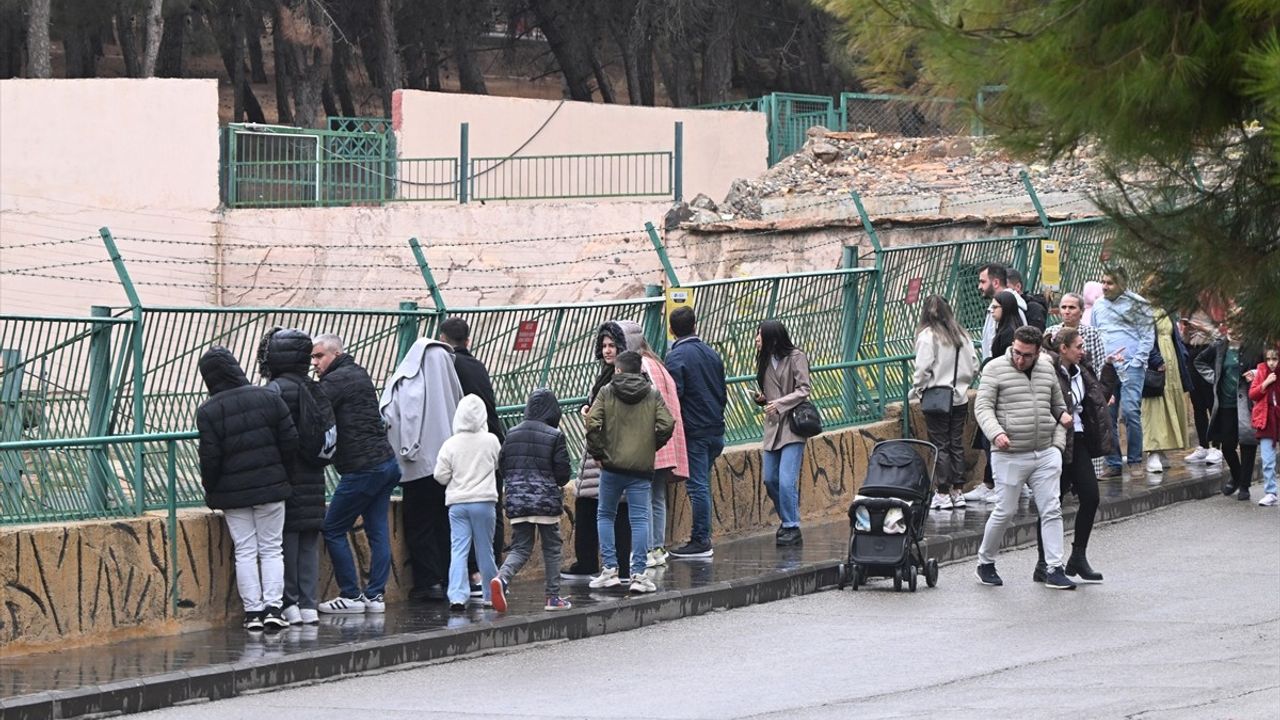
[(362, 440), (247, 437), (535, 460), (284, 358)]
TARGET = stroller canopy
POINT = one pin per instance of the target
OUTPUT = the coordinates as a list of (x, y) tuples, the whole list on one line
[(897, 470)]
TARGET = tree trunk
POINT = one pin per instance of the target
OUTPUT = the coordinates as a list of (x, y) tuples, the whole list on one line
[(253, 32), (470, 77), (330, 107), (228, 32), (78, 49), (284, 85), (172, 43), (11, 29), (388, 53), (556, 23), (342, 81), (603, 83), (39, 64), (717, 58), (155, 31), (309, 39), (127, 36)]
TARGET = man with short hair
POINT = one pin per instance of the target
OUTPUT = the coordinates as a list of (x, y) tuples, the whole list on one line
[(1128, 329), (698, 372), (1036, 309), (1071, 310), (1023, 412), (368, 474), (992, 278)]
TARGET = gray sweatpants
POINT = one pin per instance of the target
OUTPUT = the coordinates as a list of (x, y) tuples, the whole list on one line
[(522, 550), (301, 568)]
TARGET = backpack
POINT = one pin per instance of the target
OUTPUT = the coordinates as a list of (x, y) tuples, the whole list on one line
[(317, 428)]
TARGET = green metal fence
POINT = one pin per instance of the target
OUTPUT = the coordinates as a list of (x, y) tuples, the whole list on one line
[(904, 115), (552, 177)]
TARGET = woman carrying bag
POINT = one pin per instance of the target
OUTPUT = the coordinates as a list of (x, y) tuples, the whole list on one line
[(782, 372), (945, 364)]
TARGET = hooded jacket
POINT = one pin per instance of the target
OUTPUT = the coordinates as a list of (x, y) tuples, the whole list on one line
[(467, 461), (1210, 365), (1265, 415), (627, 424), (1025, 408), (247, 438), (535, 460), (362, 445), (673, 456), (419, 404), (284, 359)]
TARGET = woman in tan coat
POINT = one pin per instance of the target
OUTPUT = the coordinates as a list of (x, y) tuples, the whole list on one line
[(782, 371)]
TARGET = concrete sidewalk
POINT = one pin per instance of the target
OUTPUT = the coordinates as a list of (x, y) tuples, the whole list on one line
[(152, 673)]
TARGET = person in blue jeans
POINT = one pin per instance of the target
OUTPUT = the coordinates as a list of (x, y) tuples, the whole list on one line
[(782, 372), (1128, 329), (698, 372), (627, 425), (368, 474), (467, 467)]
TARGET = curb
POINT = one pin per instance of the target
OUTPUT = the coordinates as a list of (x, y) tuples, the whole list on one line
[(217, 682)]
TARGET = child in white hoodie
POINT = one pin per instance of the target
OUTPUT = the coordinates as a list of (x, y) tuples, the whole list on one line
[(465, 466)]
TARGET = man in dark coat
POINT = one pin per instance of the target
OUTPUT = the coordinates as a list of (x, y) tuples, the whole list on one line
[(369, 473), (247, 447), (283, 358), (475, 380)]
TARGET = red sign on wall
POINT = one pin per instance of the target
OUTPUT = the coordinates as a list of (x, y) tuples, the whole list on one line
[(913, 290), (525, 335)]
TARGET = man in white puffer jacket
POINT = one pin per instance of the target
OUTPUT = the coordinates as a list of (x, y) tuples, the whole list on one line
[(467, 468), (1022, 411)]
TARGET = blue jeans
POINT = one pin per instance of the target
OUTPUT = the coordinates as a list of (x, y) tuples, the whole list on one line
[(470, 523), (703, 452), (365, 494), (612, 487), (781, 473), (1129, 410), (1268, 448)]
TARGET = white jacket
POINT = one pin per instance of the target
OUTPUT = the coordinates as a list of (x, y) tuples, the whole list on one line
[(418, 406), (468, 461), (936, 366)]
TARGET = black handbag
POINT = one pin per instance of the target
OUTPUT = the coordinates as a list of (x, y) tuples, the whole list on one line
[(937, 400), (1153, 382), (805, 420)]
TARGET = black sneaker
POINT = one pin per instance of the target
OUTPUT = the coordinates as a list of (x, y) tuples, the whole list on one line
[(253, 621), (477, 590), (1229, 488), (1041, 571), (694, 549), (788, 537), (1243, 494), (457, 607), (987, 575), (273, 619), (578, 572), (1058, 580)]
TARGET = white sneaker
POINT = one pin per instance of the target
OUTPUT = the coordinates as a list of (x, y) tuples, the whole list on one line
[(310, 617), (642, 584), (1153, 463), (656, 557), (608, 577), (343, 606), (374, 604), (979, 494), (1214, 456), (942, 502), (1199, 456), (1268, 500), (957, 499), (293, 615)]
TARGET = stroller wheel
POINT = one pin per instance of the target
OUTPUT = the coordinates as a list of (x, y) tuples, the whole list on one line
[(911, 577), (897, 578), (931, 573), (856, 578), (842, 577)]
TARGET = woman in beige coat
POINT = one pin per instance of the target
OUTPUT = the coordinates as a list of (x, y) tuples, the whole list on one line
[(1164, 418), (782, 371)]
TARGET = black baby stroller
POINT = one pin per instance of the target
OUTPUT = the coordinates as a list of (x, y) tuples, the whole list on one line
[(886, 519)]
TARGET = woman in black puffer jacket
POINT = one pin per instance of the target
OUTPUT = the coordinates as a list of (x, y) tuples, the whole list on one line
[(284, 356), (247, 445)]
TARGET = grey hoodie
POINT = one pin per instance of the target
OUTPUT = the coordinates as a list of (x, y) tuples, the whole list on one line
[(418, 406)]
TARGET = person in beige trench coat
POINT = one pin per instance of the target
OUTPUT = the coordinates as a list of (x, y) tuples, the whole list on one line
[(782, 372)]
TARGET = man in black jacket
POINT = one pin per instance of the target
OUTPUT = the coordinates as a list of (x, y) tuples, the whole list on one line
[(474, 378), (369, 473), (1037, 309), (247, 447)]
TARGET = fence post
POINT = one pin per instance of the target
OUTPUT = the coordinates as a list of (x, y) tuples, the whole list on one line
[(139, 372), (171, 474), (436, 298), (1035, 199), (464, 164), (662, 254), (406, 329), (655, 321), (99, 406), (879, 289), (677, 172), (849, 331)]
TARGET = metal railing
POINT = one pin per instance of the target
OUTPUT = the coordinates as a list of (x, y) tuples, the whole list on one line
[(554, 177)]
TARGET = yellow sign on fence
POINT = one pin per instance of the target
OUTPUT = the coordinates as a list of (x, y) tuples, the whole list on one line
[(677, 297), (1050, 264)]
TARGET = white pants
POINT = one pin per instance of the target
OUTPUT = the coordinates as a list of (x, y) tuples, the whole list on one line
[(258, 534), (1042, 470)]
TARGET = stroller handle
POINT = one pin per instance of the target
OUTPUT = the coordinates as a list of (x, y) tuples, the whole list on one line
[(933, 466)]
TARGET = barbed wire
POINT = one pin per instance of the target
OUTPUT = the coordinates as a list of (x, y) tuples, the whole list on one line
[(48, 241), (54, 266)]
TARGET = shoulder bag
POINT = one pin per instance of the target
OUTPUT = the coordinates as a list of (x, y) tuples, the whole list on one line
[(937, 400)]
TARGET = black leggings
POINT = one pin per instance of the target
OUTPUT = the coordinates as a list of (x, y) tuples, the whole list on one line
[(1201, 400), (586, 536), (1078, 477), (1241, 465)]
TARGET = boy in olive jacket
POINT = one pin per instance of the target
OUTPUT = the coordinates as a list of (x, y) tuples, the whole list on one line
[(627, 425)]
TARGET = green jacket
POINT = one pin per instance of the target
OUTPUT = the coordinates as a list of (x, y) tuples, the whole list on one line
[(627, 424)]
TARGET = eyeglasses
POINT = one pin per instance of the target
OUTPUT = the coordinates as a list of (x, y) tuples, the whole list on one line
[(1024, 356)]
